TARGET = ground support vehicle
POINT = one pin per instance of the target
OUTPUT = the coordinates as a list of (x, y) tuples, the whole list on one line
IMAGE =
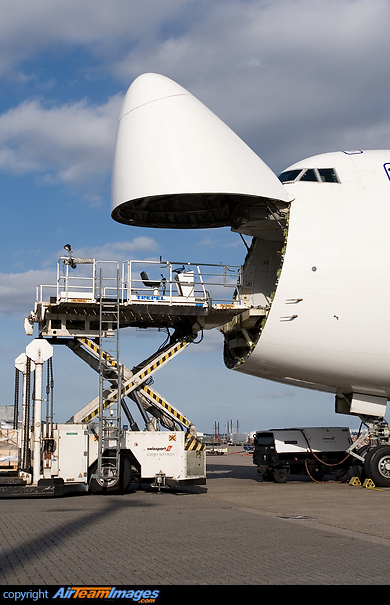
[(94, 451), (314, 451), (216, 451), (69, 462), (101, 448)]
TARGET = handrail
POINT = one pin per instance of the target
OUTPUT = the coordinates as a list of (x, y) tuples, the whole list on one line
[(177, 283)]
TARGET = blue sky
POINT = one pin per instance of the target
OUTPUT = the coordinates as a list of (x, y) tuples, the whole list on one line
[(292, 77)]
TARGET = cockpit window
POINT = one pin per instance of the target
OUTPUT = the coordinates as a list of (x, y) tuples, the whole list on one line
[(313, 175), (310, 175), (328, 175), (289, 176)]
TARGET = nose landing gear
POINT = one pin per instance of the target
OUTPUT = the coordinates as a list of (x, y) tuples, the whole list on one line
[(373, 459), (377, 465)]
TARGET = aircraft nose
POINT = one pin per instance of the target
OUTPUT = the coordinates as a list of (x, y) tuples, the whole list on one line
[(177, 165), (148, 88)]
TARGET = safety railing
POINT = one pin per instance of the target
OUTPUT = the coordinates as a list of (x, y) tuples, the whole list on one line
[(180, 283), (151, 282)]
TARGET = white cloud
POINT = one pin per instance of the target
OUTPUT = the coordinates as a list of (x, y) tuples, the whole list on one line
[(119, 250), (28, 28), (17, 290), (72, 143), (291, 77)]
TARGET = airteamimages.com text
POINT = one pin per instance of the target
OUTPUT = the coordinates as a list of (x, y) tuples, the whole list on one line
[(137, 595)]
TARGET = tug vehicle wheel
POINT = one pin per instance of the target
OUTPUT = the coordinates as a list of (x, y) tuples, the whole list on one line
[(280, 475), (317, 473), (111, 487), (267, 476)]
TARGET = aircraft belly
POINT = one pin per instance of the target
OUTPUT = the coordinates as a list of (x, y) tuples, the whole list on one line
[(327, 370)]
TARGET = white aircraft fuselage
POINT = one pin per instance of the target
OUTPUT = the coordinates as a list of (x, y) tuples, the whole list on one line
[(317, 275), (327, 325)]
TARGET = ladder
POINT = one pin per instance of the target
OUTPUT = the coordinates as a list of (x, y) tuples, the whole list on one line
[(110, 385), (133, 382)]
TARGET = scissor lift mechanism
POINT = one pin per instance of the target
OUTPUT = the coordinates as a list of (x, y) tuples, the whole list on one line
[(132, 382)]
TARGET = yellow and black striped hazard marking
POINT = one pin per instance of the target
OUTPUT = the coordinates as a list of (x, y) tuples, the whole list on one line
[(166, 406), (137, 379), (151, 368), (95, 412), (192, 443), (99, 353), (89, 416), (164, 358)]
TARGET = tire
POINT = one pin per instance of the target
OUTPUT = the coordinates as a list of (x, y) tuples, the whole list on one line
[(357, 466), (317, 473), (268, 476), (377, 465), (125, 477), (342, 474), (126, 474), (280, 475)]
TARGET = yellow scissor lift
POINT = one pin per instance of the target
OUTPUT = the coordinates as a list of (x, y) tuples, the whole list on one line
[(133, 382)]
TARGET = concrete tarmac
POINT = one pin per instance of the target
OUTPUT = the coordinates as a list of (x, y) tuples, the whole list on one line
[(234, 531)]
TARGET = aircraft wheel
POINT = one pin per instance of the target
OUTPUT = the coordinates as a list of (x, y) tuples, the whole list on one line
[(377, 465), (280, 475), (358, 466)]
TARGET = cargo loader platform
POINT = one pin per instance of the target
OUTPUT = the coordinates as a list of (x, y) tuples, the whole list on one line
[(176, 295)]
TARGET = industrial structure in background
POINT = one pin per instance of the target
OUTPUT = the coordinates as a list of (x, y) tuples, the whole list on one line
[(232, 436)]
